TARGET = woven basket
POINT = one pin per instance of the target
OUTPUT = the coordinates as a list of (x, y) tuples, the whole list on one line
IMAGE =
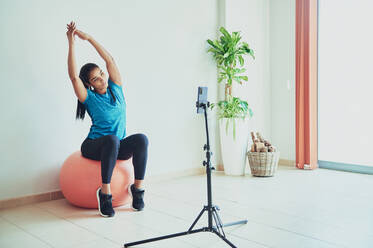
[(263, 164)]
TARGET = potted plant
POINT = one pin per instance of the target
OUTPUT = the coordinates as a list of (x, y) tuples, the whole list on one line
[(229, 51)]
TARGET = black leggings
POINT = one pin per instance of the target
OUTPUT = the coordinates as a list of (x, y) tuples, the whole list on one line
[(109, 148)]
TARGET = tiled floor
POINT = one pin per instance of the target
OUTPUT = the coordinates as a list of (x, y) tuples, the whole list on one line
[(294, 209)]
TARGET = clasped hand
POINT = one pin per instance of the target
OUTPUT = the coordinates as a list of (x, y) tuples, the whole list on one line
[(72, 31)]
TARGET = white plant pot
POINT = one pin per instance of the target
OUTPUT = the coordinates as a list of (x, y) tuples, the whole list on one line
[(234, 150)]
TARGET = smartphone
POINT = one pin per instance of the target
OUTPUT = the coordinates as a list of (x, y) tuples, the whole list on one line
[(201, 99)]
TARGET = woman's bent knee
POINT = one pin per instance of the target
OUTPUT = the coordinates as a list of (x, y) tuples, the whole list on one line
[(142, 140)]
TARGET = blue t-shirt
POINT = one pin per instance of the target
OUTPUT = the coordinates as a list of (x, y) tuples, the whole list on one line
[(108, 117)]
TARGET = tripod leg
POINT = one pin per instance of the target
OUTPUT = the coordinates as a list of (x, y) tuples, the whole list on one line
[(221, 223), (217, 215), (235, 223), (223, 238), (231, 223), (196, 220), (164, 237), (218, 222)]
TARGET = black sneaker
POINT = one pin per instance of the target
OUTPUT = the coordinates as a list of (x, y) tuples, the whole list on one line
[(137, 197), (104, 204)]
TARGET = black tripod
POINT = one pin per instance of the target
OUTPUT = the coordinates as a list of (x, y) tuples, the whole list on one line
[(211, 209)]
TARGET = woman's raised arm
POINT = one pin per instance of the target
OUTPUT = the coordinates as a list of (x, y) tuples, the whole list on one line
[(111, 66), (80, 90)]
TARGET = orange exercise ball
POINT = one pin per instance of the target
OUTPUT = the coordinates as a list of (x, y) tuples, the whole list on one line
[(81, 177)]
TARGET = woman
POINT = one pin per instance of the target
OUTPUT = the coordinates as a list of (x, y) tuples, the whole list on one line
[(104, 101)]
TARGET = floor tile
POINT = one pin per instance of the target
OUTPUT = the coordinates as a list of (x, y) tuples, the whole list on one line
[(13, 236), (238, 242), (99, 243), (277, 237), (47, 226)]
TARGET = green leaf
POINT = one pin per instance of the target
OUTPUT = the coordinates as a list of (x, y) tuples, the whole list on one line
[(218, 45), (244, 105), (225, 33), (245, 78), (240, 58), (212, 50), (251, 112), (252, 53), (239, 70), (223, 40), (212, 44)]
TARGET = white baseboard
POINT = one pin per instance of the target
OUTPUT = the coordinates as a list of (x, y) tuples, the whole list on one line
[(30, 199)]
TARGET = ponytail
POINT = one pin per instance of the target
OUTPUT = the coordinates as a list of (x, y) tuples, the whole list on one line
[(83, 75), (80, 109)]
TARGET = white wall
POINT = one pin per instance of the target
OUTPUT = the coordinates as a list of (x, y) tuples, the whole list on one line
[(282, 68), (160, 47), (345, 88)]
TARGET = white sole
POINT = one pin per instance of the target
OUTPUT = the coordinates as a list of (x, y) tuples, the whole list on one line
[(98, 201)]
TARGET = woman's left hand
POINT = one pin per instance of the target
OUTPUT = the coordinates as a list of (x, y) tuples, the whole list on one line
[(82, 35)]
